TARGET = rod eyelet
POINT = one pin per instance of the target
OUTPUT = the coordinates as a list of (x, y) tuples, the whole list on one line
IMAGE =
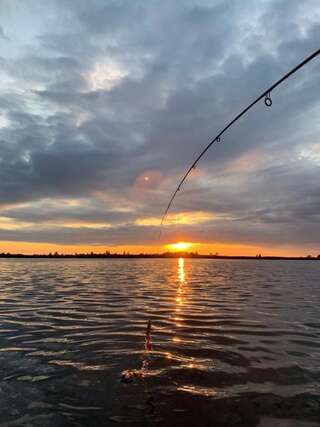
[(268, 100)]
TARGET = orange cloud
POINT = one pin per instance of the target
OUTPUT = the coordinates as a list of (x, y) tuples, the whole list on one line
[(185, 218)]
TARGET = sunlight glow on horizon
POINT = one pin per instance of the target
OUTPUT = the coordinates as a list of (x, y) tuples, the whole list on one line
[(229, 249), (179, 246)]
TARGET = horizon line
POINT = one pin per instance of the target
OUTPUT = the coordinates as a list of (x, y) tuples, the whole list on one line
[(167, 254)]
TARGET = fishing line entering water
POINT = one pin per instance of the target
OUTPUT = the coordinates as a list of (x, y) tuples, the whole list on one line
[(129, 374)]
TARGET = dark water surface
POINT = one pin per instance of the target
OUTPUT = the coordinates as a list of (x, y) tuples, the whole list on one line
[(234, 343)]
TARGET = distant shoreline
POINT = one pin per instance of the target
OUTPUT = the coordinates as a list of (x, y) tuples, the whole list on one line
[(155, 256)]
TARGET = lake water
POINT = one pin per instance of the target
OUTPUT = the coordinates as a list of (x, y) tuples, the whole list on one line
[(233, 343)]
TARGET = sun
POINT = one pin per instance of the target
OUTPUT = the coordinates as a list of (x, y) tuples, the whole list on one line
[(179, 246)]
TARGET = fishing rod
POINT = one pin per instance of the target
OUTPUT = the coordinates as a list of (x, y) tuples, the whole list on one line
[(268, 102)]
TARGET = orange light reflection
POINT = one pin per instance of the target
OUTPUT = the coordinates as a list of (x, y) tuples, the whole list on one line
[(179, 296), (181, 274)]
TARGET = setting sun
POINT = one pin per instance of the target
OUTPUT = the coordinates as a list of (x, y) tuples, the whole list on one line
[(179, 246)]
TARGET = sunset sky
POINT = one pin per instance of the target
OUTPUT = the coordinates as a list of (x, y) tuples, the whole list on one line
[(104, 104)]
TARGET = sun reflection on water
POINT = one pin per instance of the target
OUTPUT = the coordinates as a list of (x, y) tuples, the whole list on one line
[(181, 274), (181, 282), (179, 300)]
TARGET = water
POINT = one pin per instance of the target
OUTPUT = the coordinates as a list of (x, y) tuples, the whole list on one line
[(233, 343)]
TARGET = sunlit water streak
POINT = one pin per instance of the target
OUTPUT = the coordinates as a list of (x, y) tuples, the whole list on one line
[(229, 338)]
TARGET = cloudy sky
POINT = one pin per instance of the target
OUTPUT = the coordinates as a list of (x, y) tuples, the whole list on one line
[(104, 104)]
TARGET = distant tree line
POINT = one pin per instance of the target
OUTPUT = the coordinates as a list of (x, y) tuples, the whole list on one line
[(108, 254)]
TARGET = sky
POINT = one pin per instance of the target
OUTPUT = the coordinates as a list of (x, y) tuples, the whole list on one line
[(104, 104)]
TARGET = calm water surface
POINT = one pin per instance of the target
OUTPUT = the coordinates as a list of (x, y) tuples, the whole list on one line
[(234, 343)]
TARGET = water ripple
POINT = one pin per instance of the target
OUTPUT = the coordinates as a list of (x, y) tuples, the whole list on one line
[(220, 330)]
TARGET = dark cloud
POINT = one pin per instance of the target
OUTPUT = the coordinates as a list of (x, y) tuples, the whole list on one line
[(102, 94)]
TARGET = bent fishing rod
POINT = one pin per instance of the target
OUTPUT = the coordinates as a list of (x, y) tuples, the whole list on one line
[(268, 102)]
